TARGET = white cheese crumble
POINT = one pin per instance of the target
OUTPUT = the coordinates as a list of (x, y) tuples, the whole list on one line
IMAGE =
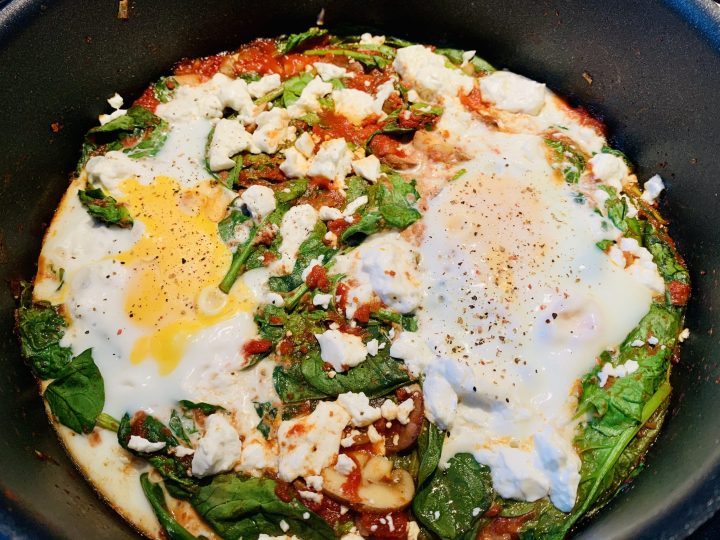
[(296, 224), (355, 205), (308, 100), (341, 350), (411, 347), (229, 139), (323, 300), (328, 213), (141, 444), (372, 347), (305, 144), (513, 93), (265, 85), (621, 370), (116, 101), (609, 169), (427, 72), (260, 201), (358, 405), (314, 482), (331, 71), (182, 451), (355, 105), (367, 167), (404, 410), (219, 448), (105, 118), (295, 164), (110, 170), (332, 161), (684, 335), (653, 187), (344, 465), (309, 444), (272, 130)]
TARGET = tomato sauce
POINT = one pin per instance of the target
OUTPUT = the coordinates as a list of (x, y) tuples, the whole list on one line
[(390, 525), (317, 278), (256, 346), (205, 67), (148, 99), (334, 126), (679, 293), (474, 101), (383, 145)]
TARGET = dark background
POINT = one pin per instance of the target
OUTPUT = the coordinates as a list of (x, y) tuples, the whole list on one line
[(655, 68)]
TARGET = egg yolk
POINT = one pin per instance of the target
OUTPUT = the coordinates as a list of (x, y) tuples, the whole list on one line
[(176, 262)]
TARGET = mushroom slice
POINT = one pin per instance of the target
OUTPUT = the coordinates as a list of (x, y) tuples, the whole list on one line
[(373, 486)]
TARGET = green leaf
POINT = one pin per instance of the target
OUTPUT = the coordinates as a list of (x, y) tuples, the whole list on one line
[(396, 202), (164, 89), (177, 426), (291, 190), (356, 186), (293, 41), (370, 223), (267, 414), (205, 408), (105, 208), (156, 498), (41, 327), (447, 502), (138, 133), (377, 376), (238, 507), (292, 88), (311, 248), (291, 386), (228, 226), (664, 256), (148, 427), (430, 443), (77, 396), (367, 60), (568, 158), (105, 421), (456, 57)]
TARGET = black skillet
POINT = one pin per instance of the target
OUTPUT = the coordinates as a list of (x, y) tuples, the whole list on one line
[(655, 71)]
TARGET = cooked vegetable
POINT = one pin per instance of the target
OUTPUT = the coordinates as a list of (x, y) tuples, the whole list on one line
[(293, 41), (238, 507), (77, 395), (380, 488), (568, 159), (41, 327), (156, 498), (105, 208)]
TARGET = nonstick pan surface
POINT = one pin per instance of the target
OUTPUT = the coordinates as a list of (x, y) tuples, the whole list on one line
[(655, 70)]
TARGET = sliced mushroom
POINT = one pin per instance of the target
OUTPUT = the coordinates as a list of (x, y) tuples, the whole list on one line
[(400, 437), (373, 486)]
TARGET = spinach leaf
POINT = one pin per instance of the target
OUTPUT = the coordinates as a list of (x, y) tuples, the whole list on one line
[(568, 158), (377, 376), (391, 204), (291, 190), (292, 88), (293, 41), (177, 426), (240, 257), (456, 57), (227, 227), (267, 414), (105, 208), (205, 408), (138, 133), (291, 386), (105, 421), (41, 327), (366, 59), (146, 426), (77, 396), (668, 264), (447, 502), (156, 498), (430, 443), (356, 186), (164, 89), (311, 248), (239, 507)]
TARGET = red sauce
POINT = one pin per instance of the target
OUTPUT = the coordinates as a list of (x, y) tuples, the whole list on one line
[(372, 526), (338, 226), (352, 484), (474, 101), (341, 295), (259, 56), (284, 491), (294, 64), (285, 347), (148, 99), (205, 67), (373, 79), (679, 292), (256, 346), (317, 278), (334, 126), (416, 120), (328, 509), (383, 145), (504, 528), (363, 312)]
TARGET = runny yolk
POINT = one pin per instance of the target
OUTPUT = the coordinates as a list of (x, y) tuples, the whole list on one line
[(178, 256)]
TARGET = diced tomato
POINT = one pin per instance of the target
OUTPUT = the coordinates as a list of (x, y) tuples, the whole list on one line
[(205, 67), (285, 347), (390, 525), (334, 126), (504, 528), (679, 292), (474, 101), (259, 56), (284, 491), (256, 346), (317, 278), (294, 64), (352, 484), (383, 145), (148, 99), (414, 120), (341, 295), (367, 82), (338, 226)]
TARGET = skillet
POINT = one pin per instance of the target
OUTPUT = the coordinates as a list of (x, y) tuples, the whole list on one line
[(655, 70)]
